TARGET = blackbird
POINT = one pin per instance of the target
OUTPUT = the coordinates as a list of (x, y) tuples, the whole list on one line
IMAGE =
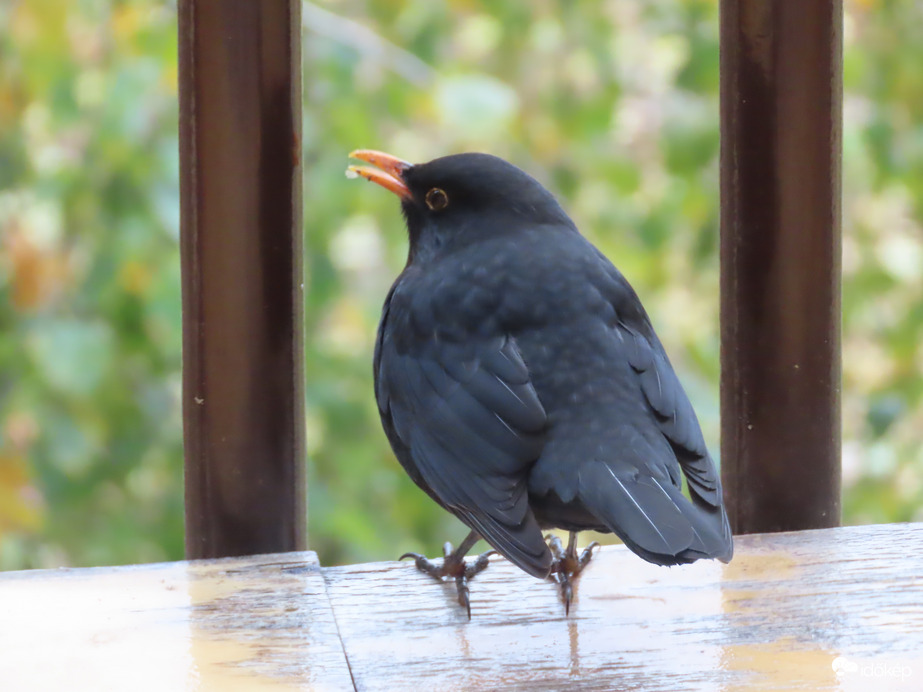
[(521, 384)]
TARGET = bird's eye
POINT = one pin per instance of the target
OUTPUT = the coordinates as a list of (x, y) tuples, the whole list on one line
[(436, 199)]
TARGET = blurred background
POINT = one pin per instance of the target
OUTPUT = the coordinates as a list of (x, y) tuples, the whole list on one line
[(613, 105)]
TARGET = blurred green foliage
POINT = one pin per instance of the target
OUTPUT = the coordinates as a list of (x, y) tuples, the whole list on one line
[(614, 105)]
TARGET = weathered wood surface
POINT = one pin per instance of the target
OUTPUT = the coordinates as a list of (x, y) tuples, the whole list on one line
[(231, 624), (776, 618), (836, 609)]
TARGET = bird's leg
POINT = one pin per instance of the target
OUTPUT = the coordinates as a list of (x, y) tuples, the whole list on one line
[(453, 565), (585, 556), (567, 565)]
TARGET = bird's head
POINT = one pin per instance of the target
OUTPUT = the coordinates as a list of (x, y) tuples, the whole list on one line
[(454, 200)]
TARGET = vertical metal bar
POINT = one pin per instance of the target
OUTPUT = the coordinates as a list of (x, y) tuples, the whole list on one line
[(781, 111), (241, 244)]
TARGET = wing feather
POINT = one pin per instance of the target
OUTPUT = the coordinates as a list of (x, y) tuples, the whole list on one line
[(472, 426), (674, 413), (645, 504)]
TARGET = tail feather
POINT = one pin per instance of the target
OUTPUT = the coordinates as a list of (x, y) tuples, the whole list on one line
[(523, 545), (653, 517)]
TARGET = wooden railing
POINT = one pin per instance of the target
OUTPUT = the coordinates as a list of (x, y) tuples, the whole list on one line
[(827, 609), (781, 121), (243, 285), (832, 609), (240, 115)]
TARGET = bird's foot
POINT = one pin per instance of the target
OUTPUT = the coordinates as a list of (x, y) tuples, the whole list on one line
[(568, 565), (454, 565)]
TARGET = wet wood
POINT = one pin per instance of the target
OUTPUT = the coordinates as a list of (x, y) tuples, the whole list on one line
[(231, 624), (777, 618), (835, 609)]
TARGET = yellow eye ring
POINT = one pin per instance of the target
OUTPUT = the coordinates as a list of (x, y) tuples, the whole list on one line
[(437, 199)]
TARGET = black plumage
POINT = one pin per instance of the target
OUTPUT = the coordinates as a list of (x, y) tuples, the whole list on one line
[(519, 379)]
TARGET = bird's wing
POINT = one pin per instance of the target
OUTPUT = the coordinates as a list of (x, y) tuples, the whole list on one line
[(639, 493), (674, 413), (473, 425), (650, 506)]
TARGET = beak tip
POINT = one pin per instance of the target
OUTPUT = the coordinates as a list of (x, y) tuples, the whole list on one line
[(388, 172)]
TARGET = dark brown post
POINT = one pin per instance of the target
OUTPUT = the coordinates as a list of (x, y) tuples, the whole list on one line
[(241, 241), (781, 74)]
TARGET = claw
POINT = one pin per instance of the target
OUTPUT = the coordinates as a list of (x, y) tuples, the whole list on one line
[(555, 546), (479, 565), (464, 594), (567, 592), (454, 565), (587, 554), (424, 565), (567, 566)]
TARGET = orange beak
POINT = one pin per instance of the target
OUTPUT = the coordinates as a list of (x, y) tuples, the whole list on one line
[(388, 172)]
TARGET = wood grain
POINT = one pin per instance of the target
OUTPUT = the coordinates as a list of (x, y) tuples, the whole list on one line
[(231, 624), (776, 618), (834, 609)]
